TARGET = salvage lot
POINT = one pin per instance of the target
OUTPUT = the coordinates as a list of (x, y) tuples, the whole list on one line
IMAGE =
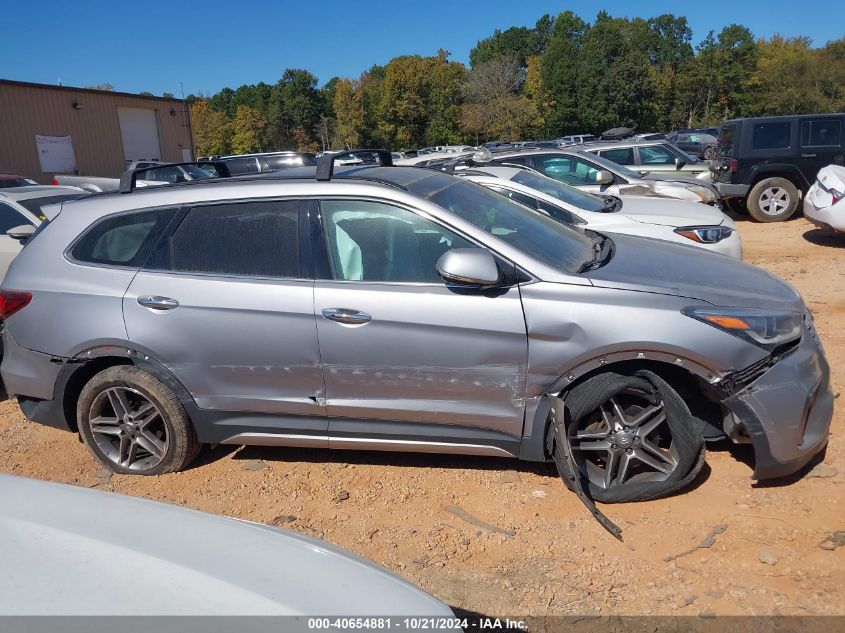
[(500, 537)]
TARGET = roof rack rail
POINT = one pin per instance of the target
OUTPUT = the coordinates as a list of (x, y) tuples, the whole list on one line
[(325, 164), (129, 178)]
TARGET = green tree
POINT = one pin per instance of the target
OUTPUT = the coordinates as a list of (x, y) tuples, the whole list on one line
[(518, 43), (295, 105), (349, 114), (167, 95), (446, 94), (212, 130), (247, 128), (559, 71)]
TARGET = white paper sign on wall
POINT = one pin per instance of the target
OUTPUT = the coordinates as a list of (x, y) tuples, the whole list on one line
[(56, 154)]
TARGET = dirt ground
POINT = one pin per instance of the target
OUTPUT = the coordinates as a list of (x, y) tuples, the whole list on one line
[(765, 554)]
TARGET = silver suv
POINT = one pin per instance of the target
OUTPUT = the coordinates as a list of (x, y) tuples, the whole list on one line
[(402, 309)]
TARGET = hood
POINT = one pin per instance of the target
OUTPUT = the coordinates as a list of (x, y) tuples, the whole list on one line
[(650, 265), (97, 553), (669, 212)]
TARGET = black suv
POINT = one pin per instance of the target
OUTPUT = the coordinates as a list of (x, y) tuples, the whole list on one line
[(765, 162)]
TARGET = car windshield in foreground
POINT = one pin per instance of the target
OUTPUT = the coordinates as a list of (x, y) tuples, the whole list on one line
[(552, 187), (34, 205), (539, 236), (612, 167)]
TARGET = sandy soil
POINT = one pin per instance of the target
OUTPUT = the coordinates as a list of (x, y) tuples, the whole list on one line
[(391, 507)]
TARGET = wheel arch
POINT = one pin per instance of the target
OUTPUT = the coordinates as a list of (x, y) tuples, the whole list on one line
[(694, 382), (787, 172), (83, 366)]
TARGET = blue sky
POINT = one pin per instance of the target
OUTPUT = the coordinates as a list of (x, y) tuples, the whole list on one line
[(211, 44)]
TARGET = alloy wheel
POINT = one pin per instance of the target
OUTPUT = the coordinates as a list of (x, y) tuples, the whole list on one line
[(128, 428), (774, 200), (627, 439)]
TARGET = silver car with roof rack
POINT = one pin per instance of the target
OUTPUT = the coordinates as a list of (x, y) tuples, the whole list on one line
[(402, 309)]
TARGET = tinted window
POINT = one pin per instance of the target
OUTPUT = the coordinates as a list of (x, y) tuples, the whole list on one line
[(254, 239), (511, 160), (771, 135), (655, 155), (371, 241), (726, 140), (10, 218), (623, 155), (5, 183), (239, 166), (123, 240), (559, 214), (567, 169), (516, 196), (821, 133)]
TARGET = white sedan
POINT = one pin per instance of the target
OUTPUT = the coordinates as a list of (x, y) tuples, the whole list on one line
[(824, 204), (689, 223)]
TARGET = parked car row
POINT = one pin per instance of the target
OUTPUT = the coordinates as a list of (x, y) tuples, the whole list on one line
[(613, 355)]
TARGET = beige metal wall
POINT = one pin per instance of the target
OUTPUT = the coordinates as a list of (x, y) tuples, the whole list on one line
[(30, 109)]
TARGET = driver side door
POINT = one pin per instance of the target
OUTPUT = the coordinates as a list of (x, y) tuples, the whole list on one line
[(405, 356)]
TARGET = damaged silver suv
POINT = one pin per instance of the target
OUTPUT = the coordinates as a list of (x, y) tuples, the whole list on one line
[(402, 309)]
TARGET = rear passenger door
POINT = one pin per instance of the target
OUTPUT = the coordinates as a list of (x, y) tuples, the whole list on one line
[(225, 302)]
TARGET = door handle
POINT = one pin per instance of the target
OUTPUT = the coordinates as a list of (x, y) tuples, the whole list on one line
[(344, 315), (158, 303), (808, 155)]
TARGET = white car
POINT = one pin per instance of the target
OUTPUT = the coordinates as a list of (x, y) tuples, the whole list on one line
[(74, 551), (679, 221), (824, 204), (26, 206)]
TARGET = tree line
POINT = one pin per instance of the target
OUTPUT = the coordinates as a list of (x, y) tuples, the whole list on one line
[(560, 77)]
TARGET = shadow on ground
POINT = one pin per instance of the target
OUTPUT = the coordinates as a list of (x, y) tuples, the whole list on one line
[(821, 237)]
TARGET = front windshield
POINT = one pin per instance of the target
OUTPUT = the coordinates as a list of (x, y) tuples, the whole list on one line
[(552, 187), (34, 205), (535, 234), (613, 167)]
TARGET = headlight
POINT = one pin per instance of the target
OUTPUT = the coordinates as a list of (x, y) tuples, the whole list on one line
[(705, 234), (702, 192), (766, 328)]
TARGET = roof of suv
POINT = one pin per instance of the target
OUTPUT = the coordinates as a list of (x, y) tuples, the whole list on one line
[(624, 143)]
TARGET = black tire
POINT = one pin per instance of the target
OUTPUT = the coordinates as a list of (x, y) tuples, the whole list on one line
[(687, 443), (709, 153), (772, 200), (170, 427)]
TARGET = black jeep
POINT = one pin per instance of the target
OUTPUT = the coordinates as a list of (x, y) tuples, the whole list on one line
[(765, 162)]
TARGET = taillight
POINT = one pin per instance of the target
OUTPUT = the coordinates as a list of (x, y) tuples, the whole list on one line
[(13, 300), (54, 182), (732, 164)]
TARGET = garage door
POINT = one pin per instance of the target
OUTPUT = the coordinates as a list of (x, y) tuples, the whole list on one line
[(139, 130)]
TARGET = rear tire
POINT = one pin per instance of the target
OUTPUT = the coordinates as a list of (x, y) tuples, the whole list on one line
[(135, 425), (633, 437), (709, 153), (772, 200)]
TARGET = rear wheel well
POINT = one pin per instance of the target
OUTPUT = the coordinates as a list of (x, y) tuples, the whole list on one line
[(787, 175), (80, 378)]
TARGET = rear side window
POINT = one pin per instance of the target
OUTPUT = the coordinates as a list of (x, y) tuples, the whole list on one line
[(824, 132), (771, 135), (253, 239), (123, 240)]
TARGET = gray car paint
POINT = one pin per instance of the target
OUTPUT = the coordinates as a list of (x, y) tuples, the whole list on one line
[(71, 551), (473, 368)]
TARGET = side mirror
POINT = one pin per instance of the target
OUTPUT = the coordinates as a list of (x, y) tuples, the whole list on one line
[(679, 163), (469, 267), (603, 177), (23, 232)]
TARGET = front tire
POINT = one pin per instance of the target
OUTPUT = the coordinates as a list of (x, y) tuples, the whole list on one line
[(772, 200), (133, 424), (633, 437)]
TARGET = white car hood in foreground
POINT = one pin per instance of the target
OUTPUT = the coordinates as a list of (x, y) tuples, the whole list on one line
[(73, 551), (668, 212)]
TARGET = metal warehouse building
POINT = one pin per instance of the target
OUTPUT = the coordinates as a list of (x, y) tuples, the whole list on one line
[(46, 130)]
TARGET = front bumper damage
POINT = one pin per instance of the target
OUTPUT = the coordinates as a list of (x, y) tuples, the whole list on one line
[(784, 408)]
